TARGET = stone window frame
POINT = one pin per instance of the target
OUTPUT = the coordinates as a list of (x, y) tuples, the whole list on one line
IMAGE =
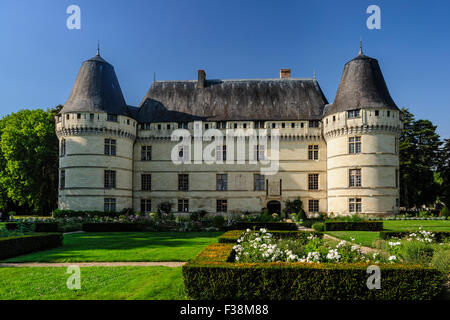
[(146, 153), (183, 182), (313, 181), (355, 205), (259, 152), (63, 148), (62, 179), (313, 152), (146, 182), (183, 205), (146, 205), (259, 182), (313, 205), (355, 178), (112, 117), (110, 179), (221, 182), (222, 205), (221, 153), (354, 114), (110, 147), (354, 145), (109, 205)]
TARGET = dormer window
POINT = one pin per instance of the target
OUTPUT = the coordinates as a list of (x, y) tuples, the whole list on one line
[(111, 117), (354, 113), (388, 113), (78, 115)]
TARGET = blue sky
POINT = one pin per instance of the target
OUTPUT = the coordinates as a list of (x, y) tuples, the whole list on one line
[(40, 57)]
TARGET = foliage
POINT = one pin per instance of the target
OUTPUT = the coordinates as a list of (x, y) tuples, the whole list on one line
[(29, 160), (441, 260), (209, 276), (415, 251), (319, 226), (444, 170), (438, 236), (295, 208), (165, 207), (19, 245), (218, 221), (419, 156), (266, 225), (357, 226), (445, 212)]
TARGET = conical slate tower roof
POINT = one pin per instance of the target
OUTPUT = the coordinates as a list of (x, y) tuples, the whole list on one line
[(362, 86), (96, 89)]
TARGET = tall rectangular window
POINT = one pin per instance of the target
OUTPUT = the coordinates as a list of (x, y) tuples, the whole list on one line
[(221, 206), (183, 182), (396, 178), (183, 153), (222, 182), (146, 182), (146, 205), (313, 205), (354, 145), (183, 205), (313, 152), (63, 147), (62, 183), (354, 205), (259, 152), (221, 153), (146, 153), (353, 113), (110, 147), (313, 181), (396, 145), (110, 205), (354, 178), (259, 182), (110, 179)]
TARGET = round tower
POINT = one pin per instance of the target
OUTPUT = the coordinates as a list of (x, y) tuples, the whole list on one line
[(96, 134), (362, 127)]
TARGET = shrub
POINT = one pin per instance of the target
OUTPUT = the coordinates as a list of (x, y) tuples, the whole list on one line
[(265, 225), (4, 216), (218, 221), (210, 276), (319, 226), (15, 246), (416, 252), (165, 207), (445, 212), (301, 236), (354, 226), (46, 227), (441, 260), (439, 236)]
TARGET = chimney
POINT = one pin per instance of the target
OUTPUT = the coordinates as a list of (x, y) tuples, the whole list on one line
[(285, 73), (201, 79)]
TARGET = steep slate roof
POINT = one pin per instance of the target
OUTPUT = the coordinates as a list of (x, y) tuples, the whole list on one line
[(228, 100), (362, 86), (96, 89)]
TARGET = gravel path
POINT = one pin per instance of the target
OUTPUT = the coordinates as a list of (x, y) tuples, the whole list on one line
[(93, 264)]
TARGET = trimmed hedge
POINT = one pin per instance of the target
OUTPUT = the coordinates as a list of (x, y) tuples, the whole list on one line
[(39, 227), (440, 236), (112, 227), (353, 226), (233, 235), (211, 276), (266, 225), (11, 226), (16, 246)]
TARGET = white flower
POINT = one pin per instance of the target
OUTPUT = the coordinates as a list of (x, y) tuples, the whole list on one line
[(392, 258)]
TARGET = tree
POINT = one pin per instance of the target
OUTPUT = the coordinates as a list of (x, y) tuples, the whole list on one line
[(29, 160), (419, 158), (444, 170)]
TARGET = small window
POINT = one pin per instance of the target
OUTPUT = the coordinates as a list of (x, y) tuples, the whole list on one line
[(206, 126), (273, 125), (388, 113), (313, 124), (62, 180), (302, 125), (221, 206), (377, 113), (334, 118), (146, 182), (183, 182), (110, 205), (313, 205), (221, 153), (183, 205), (159, 127), (111, 117), (259, 182), (313, 181), (91, 116), (244, 126), (396, 178), (353, 114), (68, 116), (168, 127), (292, 125), (235, 125), (354, 178), (128, 121), (63, 147), (313, 152), (146, 205), (354, 205), (110, 147), (283, 125), (59, 118), (259, 154), (78, 115), (354, 145), (146, 153), (222, 182), (110, 179)]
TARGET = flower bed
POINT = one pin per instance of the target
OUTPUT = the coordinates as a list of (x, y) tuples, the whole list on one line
[(232, 236), (438, 236), (212, 276), (265, 225), (16, 246)]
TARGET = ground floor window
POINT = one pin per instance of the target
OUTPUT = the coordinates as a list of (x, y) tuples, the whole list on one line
[(354, 205), (222, 206), (146, 205), (183, 205), (313, 205), (110, 204), (259, 181)]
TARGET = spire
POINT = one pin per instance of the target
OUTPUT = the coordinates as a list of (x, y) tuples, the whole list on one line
[(360, 46), (314, 74), (98, 48)]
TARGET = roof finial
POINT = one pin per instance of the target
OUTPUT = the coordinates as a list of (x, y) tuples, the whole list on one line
[(360, 46), (314, 73), (154, 76), (98, 47)]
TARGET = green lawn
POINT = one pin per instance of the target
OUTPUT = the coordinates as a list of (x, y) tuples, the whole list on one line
[(99, 283), (429, 225), (364, 238), (125, 246)]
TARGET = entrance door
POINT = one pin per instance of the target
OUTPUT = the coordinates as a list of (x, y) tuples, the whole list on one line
[(274, 207)]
